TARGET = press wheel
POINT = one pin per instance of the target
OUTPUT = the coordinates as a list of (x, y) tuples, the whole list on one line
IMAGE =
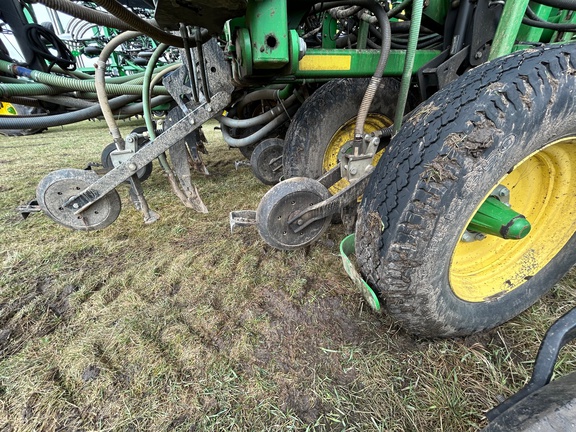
[(266, 161), (58, 187), (281, 203)]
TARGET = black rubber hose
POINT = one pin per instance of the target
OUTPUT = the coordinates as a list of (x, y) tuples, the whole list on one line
[(384, 24), (144, 26), (84, 13), (62, 119), (560, 4), (39, 39), (534, 20)]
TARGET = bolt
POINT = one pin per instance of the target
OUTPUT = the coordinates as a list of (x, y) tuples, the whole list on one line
[(300, 222), (132, 167), (75, 205), (479, 236), (208, 108), (353, 171), (478, 55)]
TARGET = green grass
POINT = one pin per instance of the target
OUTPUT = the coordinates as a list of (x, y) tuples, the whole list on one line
[(181, 325)]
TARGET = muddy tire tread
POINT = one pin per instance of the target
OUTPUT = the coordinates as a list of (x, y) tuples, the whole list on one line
[(399, 191)]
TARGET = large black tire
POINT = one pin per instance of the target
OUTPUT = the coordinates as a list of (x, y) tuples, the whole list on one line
[(513, 122), (551, 408), (318, 121)]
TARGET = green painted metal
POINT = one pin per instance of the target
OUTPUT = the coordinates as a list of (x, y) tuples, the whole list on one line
[(335, 63), (437, 10), (347, 249), (534, 34), (411, 50), (362, 35), (268, 25), (245, 47), (497, 219), (566, 36), (508, 28), (329, 28)]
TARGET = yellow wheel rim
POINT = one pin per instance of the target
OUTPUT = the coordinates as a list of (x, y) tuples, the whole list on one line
[(542, 188), (7, 108), (346, 133)]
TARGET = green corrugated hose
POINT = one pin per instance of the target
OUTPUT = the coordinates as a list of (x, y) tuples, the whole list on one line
[(67, 83)]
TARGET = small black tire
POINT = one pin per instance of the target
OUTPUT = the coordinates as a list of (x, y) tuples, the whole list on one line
[(266, 161), (317, 124), (511, 121), (550, 408)]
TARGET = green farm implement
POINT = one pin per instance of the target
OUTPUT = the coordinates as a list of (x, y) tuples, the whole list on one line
[(442, 133)]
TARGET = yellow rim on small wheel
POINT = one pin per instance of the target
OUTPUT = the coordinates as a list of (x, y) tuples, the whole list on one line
[(543, 189), (344, 135)]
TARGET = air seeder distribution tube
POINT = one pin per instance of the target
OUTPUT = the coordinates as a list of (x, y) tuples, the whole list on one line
[(70, 84), (82, 12), (39, 122), (61, 119), (146, 90), (101, 91), (147, 111), (384, 23), (28, 89)]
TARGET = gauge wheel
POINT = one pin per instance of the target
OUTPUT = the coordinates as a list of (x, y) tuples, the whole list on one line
[(266, 160), (324, 124), (55, 189), (510, 123), (284, 201)]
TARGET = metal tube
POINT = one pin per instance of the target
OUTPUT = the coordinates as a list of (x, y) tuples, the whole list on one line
[(100, 76), (260, 119), (508, 27)]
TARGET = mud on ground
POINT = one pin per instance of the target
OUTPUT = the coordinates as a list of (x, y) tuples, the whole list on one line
[(181, 325)]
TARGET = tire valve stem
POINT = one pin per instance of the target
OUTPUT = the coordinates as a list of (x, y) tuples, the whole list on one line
[(498, 219)]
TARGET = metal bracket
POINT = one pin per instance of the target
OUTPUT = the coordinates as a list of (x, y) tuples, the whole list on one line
[(241, 219), (330, 206), (148, 153), (31, 207), (118, 157)]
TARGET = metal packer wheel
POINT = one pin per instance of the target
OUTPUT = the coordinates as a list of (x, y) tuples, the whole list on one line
[(266, 161), (281, 203), (58, 187)]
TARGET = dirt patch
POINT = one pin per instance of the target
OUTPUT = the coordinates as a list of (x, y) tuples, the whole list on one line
[(33, 314)]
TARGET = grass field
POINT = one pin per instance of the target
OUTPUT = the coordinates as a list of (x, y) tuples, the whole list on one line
[(183, 326)]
